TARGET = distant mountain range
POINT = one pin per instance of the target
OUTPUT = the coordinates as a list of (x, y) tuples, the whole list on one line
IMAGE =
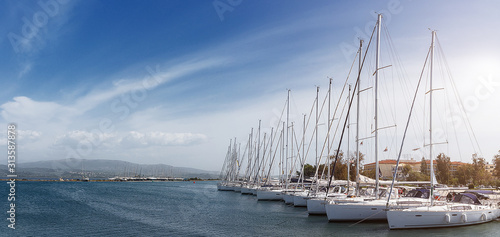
[(77, 168)]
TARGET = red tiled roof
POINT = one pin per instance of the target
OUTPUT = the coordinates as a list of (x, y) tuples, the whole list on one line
[(393, 162), (413, 163)]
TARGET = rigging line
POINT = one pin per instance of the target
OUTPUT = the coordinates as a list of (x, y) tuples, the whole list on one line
[(244, 154), (260, 163), (424, 121), (322, 106), (328, 133), (458, 98), (391, 55), (313, 132), (310, 114), (456, 134), (264, 159), (256, 163), (274, 156), (325, 143), (349, 109), (294, 137), (448, 111), (280, 120), (406, 128), (392, 52), (336, 109), (319, 116), (305, 129), (292, 99), (331, 124), (338, 124), (440, 115), (402, 73)]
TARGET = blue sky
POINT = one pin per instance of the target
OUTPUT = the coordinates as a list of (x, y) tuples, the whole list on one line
[(172, 81)]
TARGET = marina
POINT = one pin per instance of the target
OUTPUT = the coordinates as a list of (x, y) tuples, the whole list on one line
[(410, 204), (250, 118)]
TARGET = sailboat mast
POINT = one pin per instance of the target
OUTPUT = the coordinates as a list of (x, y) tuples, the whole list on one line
[(357, 121), (270, 151), (257, 160), (250, 165), (330, 120), (282, 154), (430, 119), (291, 158), (316, 127), (348, 138), (303, 149), (286, 145), (376, 106)]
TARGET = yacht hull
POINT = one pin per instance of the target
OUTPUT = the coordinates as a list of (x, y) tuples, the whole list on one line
[(269, 195), (246, 190), (300, 200), (356, 212), (433, 217), (221, 187), (316, 206), (288, 198), (237, 189)]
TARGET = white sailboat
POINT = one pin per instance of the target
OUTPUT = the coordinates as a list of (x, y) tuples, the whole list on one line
[(465, 208), (226, 172), (340, 191), (300, 198), (272, 189), (316, 204), (371, 208)]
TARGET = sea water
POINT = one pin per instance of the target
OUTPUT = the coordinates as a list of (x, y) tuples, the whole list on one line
[(178, 209)]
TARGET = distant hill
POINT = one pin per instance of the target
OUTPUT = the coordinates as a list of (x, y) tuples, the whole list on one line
[(77, 168)]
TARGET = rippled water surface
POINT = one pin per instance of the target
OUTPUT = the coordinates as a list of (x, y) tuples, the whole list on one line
[(178, 209)]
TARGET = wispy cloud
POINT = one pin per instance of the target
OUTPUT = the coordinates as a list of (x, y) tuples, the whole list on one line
[(134, 139), (26, 68), (153, 77), (40, 25), (128, 140)]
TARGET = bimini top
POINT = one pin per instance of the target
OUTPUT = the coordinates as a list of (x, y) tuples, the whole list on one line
[(480, 191), (419, 193), (468, 198)]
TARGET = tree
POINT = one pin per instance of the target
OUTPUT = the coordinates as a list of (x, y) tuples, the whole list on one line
[(417, 176), (369, 173), (496, 162), (352, 171), (405, 170), (309, 170), (443, 165), (464, 174), (479, 174), (340, 171), (423, 167)]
